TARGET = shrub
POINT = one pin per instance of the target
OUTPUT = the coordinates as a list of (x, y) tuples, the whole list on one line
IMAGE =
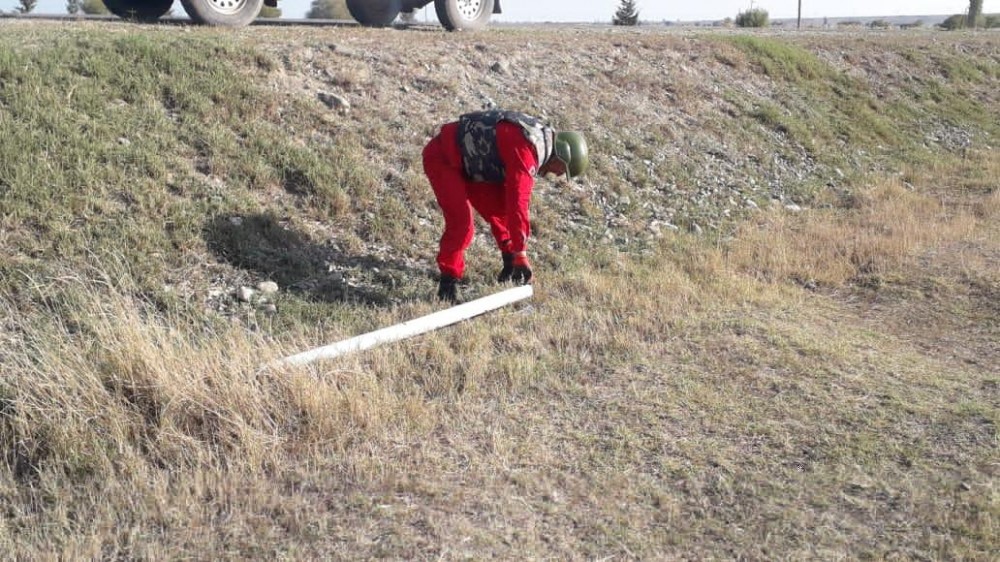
[(956, 21), (26, 6), (752, 18), (94, 7), (627, 14)]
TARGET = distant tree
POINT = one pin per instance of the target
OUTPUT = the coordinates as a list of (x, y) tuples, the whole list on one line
[(26, 6), (992, 21), (627, 14), (755, 17), (956, 21), (73, 6), (329, 10), (975, 18), (879, 24), (94, 7), (269, 12)]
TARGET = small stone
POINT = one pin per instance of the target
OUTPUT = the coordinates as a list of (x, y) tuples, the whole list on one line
[(342, 50), (793, 208), (267, 287), (245, 294), (333, 101), (236, 221), (124, 141), (501, 67)]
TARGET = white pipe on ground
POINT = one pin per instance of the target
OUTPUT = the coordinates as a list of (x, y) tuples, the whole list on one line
[(410, 328)]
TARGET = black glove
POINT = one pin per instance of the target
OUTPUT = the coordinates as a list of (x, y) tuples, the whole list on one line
[(508, 268), (521, 275), (447, 289)]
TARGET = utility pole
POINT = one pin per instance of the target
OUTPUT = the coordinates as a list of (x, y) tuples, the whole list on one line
[(798, 24)]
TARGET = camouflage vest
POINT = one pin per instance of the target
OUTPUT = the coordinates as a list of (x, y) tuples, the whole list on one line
[(477, 140)]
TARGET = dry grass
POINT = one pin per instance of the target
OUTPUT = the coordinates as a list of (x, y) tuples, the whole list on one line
[(694, 401), (651, 408), (867, 235)]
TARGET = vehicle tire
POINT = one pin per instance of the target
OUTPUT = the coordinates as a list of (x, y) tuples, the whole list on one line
[(139, 10), (229, 13), (375, 13), (459, 15)]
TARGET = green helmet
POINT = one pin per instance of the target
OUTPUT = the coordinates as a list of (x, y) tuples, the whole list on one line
[(571, 149)]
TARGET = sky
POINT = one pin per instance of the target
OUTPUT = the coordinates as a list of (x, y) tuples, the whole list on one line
[(656, 10)]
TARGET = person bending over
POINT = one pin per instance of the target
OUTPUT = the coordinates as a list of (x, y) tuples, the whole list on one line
[(488, 161)]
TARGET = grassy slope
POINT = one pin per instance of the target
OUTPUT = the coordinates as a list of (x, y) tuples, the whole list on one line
[(789, 385)]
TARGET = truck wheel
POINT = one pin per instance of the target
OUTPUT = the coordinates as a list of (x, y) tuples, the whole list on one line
[(375, 13), (458, 15), (139, 10), (229, 13)]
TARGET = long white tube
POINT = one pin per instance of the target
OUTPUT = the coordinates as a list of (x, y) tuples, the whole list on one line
[(410, 328)]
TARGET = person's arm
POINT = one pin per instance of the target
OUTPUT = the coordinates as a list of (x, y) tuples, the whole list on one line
[(520, 167)]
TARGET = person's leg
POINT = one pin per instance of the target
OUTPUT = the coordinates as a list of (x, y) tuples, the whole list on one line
[(449, 187), (488, 200)]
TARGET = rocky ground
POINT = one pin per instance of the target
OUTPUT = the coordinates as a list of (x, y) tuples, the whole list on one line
[(673, 116), (690, 130)]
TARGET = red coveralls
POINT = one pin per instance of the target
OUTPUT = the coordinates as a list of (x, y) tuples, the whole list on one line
[(503, 205)]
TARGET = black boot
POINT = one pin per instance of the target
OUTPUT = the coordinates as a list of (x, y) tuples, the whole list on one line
[(508, 268), (448, 289)]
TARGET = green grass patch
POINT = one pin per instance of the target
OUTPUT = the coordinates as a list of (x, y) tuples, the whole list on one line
[(129, 145), (781, 60)]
